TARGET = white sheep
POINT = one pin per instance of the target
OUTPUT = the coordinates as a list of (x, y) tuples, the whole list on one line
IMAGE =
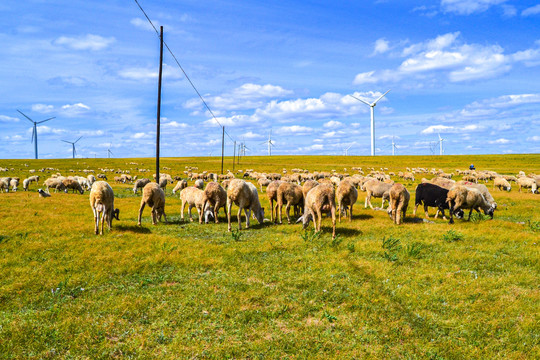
[(154, 197), (399, 201), (180, 185), (376, 188), (347, 195), (139, 184), (500, 182), (320, 199), (102, 204), (463, 197), (244, 195), (527, 183), (194, 198)]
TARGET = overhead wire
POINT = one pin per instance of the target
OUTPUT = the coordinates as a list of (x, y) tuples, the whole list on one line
[(183, 71)]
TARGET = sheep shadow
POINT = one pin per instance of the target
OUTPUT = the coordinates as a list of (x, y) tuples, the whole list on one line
[(346, 232), (360, 217), (133, 228)]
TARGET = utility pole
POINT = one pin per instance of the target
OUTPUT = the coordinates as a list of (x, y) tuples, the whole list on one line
[(222, 148), (159, 101), (234, 155)]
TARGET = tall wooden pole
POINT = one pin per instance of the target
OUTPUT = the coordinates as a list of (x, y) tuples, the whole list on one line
[(159, 102), (222, 148)]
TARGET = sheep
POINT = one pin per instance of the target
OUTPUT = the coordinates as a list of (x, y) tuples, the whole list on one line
[(432, 195), (214, 197), (399, 201), (308, 185), (102, 204), (462, 197), (163, 181), (263, 181), (154, 197), (318, 200), (244, 195), (193, 197), (408, 176), (4, 184), (180, 185), (271, 193), (376, 188), (346, 195), (291, 194), (26, 183), (54, 183), (443, 182), (14, 183), (199, 184), (140, 184), (526, 183), (500, 182), (483, 190), (72, 184), (91, 179), (43, 194)]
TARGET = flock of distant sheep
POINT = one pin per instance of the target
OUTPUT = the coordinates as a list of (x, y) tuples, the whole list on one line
[(310, 194)]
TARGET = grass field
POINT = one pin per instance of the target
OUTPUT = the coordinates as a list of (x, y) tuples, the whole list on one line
[(184, 290)]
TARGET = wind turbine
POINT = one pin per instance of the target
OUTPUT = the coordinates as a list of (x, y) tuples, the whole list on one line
[(372, 106), (347, 149), (109, 152), (393, 147), (269, 142), (34, 132), (73, 144), (441, 151)]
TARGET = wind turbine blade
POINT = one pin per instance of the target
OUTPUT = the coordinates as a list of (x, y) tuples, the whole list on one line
[(380, 97), (32, 121), (42, 121), (33, 134), (69, 142), (78, 140), (365, 102)]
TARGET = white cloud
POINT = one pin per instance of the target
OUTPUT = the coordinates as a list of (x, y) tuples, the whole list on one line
[(42, 108), (86, 42), (333, 124), (142, 24), (294, 130), (436, 129), (381, 46), (500, 141), (43, 129), (534, 138), (533, 10), (141, 135), (91, 133), (251, 135), (143, 74), (7, 119), (234, 120), (389, 137), (176, 125), (467, 7), (13, 138)]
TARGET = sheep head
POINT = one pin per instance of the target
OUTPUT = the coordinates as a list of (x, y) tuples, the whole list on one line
[(116, 214)]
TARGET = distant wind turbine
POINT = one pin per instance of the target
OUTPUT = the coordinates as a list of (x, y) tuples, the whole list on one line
[(393, 147), (347, 150), (34, 132), (73, 144), (109, 152), (269, 142), (441, 150), (372, 106)]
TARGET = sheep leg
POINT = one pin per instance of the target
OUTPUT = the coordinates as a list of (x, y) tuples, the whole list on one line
[(470, 212), (229, 208), (164, 216), (415, 208), (340, 210), (350, 213), (216, 210), (247, 212), (288, 210), (140, 211), (239, 216), (154, 216), (317, 220), (333, 211), (96, 220), (103, 214), (278, 211), (183, 207), (189, 211), (200, 211), (366, 202)]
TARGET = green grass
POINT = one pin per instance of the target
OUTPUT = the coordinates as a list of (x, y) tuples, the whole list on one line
[(184, 290)]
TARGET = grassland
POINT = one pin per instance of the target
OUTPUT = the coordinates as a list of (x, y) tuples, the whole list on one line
[(184, 290)]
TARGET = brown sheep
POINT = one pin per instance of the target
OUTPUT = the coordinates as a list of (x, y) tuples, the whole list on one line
[(399, 201), (72, 184), (154, 197), (194, 198), (500, 182), (318, 200), (102, 203), (263, 182), (244, 195), (54, 183), (271, 193), (346, 195), (376, 188), (308, 185), (291, 194), (463, 197), (180, 185), (215, 197)]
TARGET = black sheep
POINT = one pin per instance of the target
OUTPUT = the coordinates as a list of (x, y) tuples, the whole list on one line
[(435, 196)]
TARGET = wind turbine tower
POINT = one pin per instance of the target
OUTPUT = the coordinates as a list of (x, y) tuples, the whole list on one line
[(109, 152), (347, 150), (372, 106), (73, 144), (34, 132), (269, 142), (393, 147), (441, 150)]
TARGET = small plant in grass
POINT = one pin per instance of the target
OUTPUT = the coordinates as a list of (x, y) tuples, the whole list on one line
[(351, 247), (477, 217), (392, 247), (413, 250), (452, 235), (310, 235), (236, 235), (336, 241), (330, 318), (534, 225)]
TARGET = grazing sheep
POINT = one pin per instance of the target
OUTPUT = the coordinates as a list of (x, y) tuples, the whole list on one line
[(263, 182), (154, 197), (483, 190), (91, 179), (4, 184), (432, 195), (378, 189), (443, 182), (271, 193), (500, 182), (346, 195), (180, 185), (527, 183), (318, 200), (225, 183), (244, 195), (291, 194), (29, 180), (399, 201), (409, 176), (194, 198), (14, 183), (73, 185), (199, 184), (140, 184), (102, 204), (308, 185), (214, 197), (463, 197), (163, 181), (26, 183), (54, 183)]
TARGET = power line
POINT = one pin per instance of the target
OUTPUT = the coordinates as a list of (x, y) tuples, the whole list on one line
[(183, 71)]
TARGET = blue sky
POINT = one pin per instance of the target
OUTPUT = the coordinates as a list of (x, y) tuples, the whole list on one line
[(467, 69)]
